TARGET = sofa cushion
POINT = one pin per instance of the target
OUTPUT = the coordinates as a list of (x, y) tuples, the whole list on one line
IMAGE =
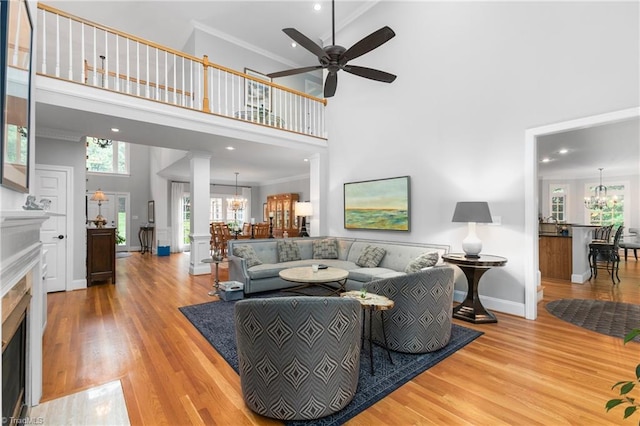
[(248, 254), (288, 251), (371, 256), (325, 249), (423, 261), (364, 275)]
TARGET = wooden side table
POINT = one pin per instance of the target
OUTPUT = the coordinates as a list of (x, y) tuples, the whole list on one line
[(146, 236), (471, 308), (370, 303)]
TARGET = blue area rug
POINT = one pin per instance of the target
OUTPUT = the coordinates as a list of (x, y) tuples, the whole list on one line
[(215, 321)]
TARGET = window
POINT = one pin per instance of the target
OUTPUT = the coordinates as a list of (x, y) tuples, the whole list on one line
[(613, 213), (215, 212), (558, 195), (186, 218), (112, 158)]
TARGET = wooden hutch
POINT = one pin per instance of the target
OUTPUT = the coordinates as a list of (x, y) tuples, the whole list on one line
[(284, 217)]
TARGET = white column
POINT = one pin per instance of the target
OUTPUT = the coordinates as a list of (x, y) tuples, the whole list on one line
[(200, 205), (318, 181)]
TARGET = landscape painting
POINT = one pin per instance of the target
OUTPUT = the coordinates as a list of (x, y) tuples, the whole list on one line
[(381, 204)]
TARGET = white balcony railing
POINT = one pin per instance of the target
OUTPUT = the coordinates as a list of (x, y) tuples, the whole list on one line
[(84, 52)]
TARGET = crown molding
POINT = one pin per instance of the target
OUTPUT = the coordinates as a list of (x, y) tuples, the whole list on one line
[(284, 180), (241, 43), (342, 23), (62, 135)]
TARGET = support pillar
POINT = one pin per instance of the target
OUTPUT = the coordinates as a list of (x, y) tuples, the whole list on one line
[(200, 205)]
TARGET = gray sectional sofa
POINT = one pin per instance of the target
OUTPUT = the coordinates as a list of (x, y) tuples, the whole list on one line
[(264, 276)]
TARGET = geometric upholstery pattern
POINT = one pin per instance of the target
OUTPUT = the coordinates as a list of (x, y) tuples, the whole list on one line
[(288, 251), (425, 260), (248, 254), (420, 320), (299, 357), (325, 249), (371, 256)]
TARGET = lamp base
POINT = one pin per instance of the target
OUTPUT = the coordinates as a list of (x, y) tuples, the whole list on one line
[(303, 228), (471, 245)]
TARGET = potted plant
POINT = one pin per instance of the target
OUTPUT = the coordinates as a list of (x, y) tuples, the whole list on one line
[(626, 386)]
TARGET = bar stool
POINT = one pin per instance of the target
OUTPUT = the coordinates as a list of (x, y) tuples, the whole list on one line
[(601, 254)]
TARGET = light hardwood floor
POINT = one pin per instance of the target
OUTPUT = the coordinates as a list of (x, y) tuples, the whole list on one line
[(519, 372)]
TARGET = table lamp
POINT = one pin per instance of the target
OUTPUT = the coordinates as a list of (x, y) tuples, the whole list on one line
[(303, 209), (99, 196), (472, 212)]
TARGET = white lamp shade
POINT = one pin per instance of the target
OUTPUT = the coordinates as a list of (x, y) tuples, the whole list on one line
[(303, 208), (99, 196)]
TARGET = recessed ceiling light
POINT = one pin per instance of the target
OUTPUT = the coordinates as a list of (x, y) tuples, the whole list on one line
[(546, 160), (293, 44), (306, 160), (116, 130), (230, 148), (317, 7), (563, 151)]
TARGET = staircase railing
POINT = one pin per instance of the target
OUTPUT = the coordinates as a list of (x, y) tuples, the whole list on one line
[(81, 51)]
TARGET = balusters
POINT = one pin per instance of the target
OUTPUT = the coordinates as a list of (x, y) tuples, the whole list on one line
[(194, 83), (44, 42)]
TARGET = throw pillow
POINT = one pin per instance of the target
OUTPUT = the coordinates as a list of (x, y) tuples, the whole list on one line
[(288, 251), (248, 254), (371, 256), (325, 249), (423, 261)]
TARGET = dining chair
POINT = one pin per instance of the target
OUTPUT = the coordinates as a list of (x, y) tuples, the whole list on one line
[(604, 254)]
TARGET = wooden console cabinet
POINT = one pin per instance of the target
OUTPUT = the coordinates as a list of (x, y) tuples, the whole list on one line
[(101, 255), (284, 216)]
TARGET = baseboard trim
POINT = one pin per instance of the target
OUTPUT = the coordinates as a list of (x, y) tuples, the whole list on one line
[(78, 285), (494, 304)]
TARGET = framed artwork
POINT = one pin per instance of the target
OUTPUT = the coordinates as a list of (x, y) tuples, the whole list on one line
[(17, 41), (381, 204), (265, 214), (151, 212), (257, 96)]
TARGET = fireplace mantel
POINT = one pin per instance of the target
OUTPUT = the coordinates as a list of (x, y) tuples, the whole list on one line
[(20, 257)]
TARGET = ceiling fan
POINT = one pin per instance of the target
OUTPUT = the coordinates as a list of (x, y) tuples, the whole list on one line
[(335, 58)]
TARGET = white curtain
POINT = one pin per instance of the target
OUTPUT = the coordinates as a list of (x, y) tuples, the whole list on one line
[(177, 230), (246, 194)]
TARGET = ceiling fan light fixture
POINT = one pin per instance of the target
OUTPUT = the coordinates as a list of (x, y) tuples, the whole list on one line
[(334, 58)]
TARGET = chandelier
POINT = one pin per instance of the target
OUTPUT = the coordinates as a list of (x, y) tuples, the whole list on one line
[(599, 200), (103, 143), (236, 203)]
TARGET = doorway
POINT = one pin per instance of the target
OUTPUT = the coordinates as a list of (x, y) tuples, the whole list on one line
[(532, 277), (54, 183)]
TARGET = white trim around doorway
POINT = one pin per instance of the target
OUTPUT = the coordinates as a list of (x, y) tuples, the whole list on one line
[(531, 260)]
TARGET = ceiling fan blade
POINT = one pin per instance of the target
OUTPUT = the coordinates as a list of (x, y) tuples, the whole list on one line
[(306, 42), (370, 73), (367, 44), (293, 71), (330, 85)]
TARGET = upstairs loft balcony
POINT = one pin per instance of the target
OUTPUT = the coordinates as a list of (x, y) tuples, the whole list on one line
[(71, 49)]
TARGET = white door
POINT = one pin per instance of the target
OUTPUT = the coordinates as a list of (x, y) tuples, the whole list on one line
[(51, 183)]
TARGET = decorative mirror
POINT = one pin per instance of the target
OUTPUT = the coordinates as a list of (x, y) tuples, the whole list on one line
[(151, 212), (15, 63)]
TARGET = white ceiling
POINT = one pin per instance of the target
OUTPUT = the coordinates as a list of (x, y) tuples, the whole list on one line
[(615, 147), (259, 24)]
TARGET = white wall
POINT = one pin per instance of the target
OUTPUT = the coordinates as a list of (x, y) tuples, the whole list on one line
[(472, 77)]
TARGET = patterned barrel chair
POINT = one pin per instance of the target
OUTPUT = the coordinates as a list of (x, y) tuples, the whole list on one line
[(420, 321), (299, 357)]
